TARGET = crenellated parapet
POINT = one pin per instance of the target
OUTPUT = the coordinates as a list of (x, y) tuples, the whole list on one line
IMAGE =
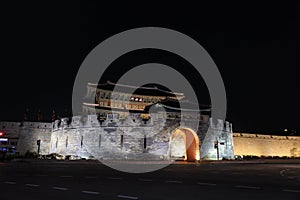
[(89, 121), (9, 125), (36, 125), (221, 125), (264, 136)]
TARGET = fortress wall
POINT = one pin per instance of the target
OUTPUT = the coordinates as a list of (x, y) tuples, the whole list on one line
[(83, 142), (221, 132), (115, 138), (11, 129), (106, 142), (85, 137), (266, 145), (26, 135), (30, 132)]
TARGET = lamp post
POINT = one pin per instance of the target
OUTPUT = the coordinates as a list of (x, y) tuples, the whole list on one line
[(217, 147), (38, 142)]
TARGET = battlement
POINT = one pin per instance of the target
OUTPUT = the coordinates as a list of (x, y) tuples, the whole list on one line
[(37, 125), (221, 125), (136, 120), (9, 125), (16, 125), (262, 136), (89, 121)]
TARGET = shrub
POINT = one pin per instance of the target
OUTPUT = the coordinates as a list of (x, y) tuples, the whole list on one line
[(30, 154)]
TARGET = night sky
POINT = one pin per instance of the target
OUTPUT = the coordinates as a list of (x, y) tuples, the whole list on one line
[(256, 48)]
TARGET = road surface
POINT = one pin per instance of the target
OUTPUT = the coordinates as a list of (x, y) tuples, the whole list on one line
[(52, 179)]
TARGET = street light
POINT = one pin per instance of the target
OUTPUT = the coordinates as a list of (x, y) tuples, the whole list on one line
[(216, 145), (38, 142)]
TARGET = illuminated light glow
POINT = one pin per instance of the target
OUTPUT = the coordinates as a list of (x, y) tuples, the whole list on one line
[(2, 133), (3, 139), (197, 156), (183, 132)]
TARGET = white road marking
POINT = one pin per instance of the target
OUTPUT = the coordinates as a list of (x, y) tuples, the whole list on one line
[(247, 187), (32, 185), (173, 181), (89, 192), (11, 183), (127, 197), (23, 175), (115, 178), (292, 191), (208, 184), (66, 176), (237, 173), (262, 174), (59, 188), (146, 180), (90, 177)]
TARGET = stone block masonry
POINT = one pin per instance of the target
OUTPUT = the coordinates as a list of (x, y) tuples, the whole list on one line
[(266, 145), (114, 139)]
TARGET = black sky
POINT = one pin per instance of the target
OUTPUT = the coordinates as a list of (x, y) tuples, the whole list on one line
[(256, 48)]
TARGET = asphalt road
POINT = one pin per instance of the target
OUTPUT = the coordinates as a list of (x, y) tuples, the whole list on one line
[(51, 179)]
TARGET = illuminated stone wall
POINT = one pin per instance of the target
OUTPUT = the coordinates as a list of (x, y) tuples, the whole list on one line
[(11, 131), (115, 138), (119, 139), (266, 145), (222, 133), (26, 134), (30, 132)]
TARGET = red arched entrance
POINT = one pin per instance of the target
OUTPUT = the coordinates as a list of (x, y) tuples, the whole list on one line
[(190, 141)]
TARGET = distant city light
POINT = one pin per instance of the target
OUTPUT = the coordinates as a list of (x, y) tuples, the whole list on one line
[(197, 156), (285, 130), (2, 133)]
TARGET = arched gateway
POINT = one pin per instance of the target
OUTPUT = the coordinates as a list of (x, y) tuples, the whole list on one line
[(185, 142)]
